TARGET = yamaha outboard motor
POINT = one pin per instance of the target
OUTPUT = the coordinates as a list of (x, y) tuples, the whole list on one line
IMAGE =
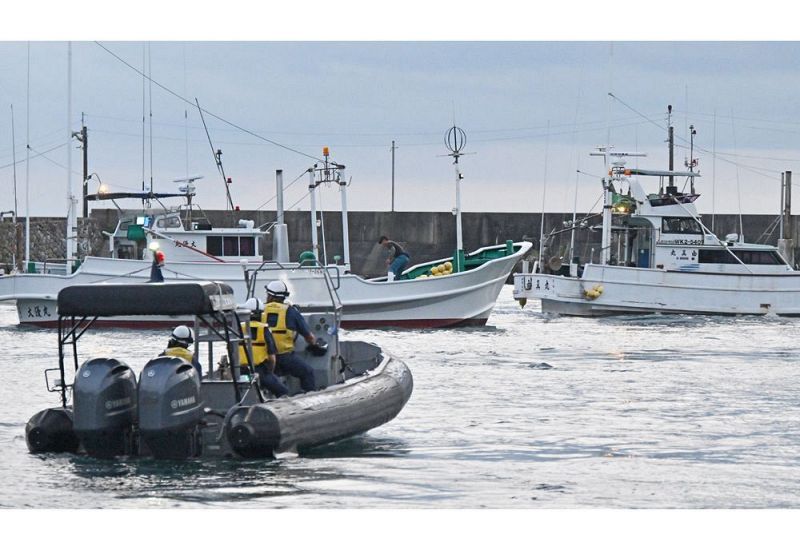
[(104, 404), (51, 431), (170, 408)]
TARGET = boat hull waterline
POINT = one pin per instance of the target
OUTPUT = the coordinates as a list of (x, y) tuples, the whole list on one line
[(627, 290)]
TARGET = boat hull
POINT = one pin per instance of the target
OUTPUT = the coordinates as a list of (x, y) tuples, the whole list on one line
[(459, 299), (253, 429), (309, 420), (627, 290)]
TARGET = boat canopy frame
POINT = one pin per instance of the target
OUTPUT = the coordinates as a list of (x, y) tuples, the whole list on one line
[(211, 303)]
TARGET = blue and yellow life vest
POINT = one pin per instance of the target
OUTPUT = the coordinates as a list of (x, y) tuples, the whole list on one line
[(275, 317), (178, 351), (258, 343)]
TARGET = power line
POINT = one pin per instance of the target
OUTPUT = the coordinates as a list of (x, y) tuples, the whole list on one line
[(699, 148), (295, 180), (586, 126), (38, 154), (209, 113), (43, 153)]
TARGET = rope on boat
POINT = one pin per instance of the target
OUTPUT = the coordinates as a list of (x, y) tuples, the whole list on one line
[(124, 275)]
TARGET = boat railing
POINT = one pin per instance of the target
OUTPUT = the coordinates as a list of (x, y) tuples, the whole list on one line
[(251, 276), (55, 266), (311, 265)]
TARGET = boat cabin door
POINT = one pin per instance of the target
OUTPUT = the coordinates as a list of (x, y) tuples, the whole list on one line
[(643, 258), (642, 244)]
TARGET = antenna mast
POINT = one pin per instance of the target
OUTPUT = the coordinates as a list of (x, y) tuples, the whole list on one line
[(14, 161), (28, 162), (329, 172), (455, 139), (217, 159), (72, 234), (671, 141), (692, 162)]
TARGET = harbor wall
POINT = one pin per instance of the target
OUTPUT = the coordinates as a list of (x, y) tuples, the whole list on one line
[(47, 242), (426, 235)]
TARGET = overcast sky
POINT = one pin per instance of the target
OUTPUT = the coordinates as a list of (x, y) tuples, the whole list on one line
[(532, 111)]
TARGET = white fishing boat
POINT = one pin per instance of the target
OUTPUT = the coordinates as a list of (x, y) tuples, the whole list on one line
[(658, 256), (427, 295)]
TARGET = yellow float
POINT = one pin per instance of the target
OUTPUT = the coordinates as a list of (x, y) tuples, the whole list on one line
[(594, 292)]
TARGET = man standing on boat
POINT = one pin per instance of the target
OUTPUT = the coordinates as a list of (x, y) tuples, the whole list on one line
[(398, 258), (285, 322)]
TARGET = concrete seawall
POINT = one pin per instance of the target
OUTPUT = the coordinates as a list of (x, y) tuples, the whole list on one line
[(427, 235)]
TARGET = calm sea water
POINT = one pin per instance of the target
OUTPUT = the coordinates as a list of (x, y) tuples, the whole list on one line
[(532, 412)]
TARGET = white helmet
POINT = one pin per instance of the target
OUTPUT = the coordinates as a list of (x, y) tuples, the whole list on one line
[(254, 304), (183, 334), (277, 289)]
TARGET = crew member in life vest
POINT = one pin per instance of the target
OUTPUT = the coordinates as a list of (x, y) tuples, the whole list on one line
[(264, 350), (178, 346), (285, 322)]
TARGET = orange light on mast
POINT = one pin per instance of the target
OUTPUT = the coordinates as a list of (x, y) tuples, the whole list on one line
[(325, 152)]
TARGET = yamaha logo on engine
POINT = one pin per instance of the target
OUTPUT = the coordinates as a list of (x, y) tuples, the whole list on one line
[(117, 403), (184, 402)]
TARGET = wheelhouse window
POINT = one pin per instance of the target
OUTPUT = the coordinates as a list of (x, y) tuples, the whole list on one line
[(214, 246), (750, 257), (247, 246), (231, 246), (170, 222), (687, 226)]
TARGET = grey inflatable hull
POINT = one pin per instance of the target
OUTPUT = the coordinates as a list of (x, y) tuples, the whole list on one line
[(316, 418), (254, 429)]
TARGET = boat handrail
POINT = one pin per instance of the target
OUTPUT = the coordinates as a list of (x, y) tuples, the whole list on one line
[(250, 276)]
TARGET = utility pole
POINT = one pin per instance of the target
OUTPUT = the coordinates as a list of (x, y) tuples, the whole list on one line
[(83, 138), (787, 206), (393, 149), (786, 242)]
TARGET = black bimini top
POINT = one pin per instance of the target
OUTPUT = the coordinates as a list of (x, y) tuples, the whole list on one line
[(107, 300)]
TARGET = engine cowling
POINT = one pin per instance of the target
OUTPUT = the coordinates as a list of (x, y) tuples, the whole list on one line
[(170, 408), (105, 407)]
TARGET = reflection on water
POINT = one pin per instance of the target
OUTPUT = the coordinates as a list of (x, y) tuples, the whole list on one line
[(534, 411)]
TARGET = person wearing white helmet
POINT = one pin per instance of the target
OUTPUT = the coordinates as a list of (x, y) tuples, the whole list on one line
[(178, 346), (263, 349), (285, 323)]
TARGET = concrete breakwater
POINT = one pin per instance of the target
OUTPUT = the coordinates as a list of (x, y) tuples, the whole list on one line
[(427, 235)]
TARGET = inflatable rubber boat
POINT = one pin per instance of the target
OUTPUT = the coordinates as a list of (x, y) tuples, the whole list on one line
[(172, 412)]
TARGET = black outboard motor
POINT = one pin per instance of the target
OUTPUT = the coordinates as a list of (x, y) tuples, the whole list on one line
[(170, 408), (51, 431), (104, 405)]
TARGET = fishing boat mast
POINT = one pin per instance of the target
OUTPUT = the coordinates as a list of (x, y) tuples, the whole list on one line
[(329, 173), (280, 237), (312, 191), (455, 139), (616, 173), (72, 202)]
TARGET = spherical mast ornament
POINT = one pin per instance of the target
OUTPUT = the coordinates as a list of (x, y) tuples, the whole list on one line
[(455, 140)]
